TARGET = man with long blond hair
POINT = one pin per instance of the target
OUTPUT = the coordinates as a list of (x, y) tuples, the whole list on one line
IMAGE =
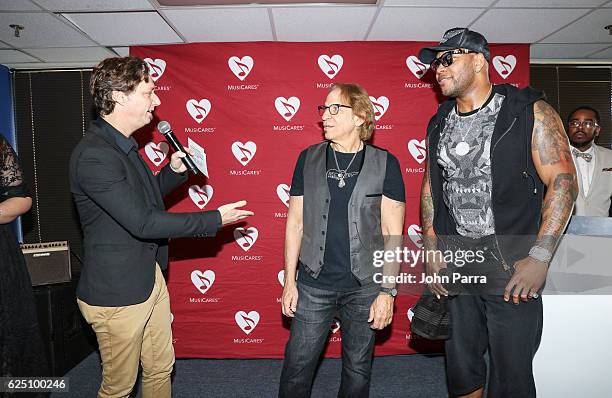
[(347, 199)]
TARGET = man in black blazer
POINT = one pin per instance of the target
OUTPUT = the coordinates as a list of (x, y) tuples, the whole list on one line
[(122, 292)]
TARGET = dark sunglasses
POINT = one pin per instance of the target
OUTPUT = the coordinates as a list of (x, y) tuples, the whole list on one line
[(446, 59)]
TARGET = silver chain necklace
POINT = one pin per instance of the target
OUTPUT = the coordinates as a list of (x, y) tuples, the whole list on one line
[(463, 147), (342, 173)]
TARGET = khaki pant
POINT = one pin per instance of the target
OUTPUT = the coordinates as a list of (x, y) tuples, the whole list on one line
[(131, 335)]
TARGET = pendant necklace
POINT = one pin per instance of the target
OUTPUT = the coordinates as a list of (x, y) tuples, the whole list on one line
[(463, 147), (343, 173)]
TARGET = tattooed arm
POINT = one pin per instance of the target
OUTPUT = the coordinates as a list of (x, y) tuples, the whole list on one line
[(430, 240), (555, 166)]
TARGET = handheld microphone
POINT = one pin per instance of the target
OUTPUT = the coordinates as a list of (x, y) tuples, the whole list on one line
[(166, 130)]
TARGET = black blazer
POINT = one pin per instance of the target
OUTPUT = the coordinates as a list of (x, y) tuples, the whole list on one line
[(124, 221)]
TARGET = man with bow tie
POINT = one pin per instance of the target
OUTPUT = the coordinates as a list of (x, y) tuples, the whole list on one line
[(593, 163)]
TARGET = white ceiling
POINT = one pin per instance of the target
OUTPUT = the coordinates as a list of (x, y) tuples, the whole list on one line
[(79, 33)]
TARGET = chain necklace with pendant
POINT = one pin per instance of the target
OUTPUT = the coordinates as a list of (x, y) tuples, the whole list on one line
[(462, 148), (343, 173)]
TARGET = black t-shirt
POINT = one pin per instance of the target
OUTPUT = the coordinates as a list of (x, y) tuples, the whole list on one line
[(336, 272)]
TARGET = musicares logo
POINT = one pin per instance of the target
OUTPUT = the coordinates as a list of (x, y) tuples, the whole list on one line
[(247, 322), (244, 153), (415, 66), (380, 104), (203, 280), (198, 110), (282, 190), (157, 68), (201, 195), (156, 152), (241, 67), (416, 235), (281, 277), (246, 238), (504, 65), (287, 108), (330, 65), (418, 150)]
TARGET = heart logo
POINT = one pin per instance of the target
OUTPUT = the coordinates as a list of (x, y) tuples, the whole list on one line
[(330, 65), (410, 314), (247, 322), (287, 108), (283, 193), (418, 150), (335, 326), (380, 104), (156, 152), (246, 238), (241, 67), (281, 277), (504, 65), (198, 110), (244, 152), (415, 66), (416, 235), (203, 280), (201, 195), (157, 67)]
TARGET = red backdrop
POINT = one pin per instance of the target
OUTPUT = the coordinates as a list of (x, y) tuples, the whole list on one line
[(252, 106)]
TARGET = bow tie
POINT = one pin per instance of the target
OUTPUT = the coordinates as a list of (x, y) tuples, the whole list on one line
[(586, 156)]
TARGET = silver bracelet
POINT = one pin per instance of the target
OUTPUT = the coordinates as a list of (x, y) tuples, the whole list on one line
[(540, 254)]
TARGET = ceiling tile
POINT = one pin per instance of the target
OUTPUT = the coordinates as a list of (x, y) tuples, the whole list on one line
[(94, 5), (128, 28), (122, 51), (606, 54), (439, 3), (527, 26), (564, 51), (222, 24), (407, 23), (588, 29), (70, 53), (13, 56), (548, 3), (41, 30), (349, 23), (18, 5)]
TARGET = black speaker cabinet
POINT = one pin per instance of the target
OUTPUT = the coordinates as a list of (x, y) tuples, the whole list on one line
[(68, 339)]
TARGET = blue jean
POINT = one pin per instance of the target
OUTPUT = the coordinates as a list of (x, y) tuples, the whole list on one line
[(309, 330)]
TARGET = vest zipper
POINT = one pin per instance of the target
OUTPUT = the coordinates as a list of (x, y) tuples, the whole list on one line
[(505, 265), (433, 226)]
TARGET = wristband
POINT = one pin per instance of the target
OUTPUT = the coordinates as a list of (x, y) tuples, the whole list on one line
[(540, 254)]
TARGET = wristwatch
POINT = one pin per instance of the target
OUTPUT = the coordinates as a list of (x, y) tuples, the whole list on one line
[(391, 291)]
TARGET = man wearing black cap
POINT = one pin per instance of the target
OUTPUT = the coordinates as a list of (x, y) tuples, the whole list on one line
[(492, 151)]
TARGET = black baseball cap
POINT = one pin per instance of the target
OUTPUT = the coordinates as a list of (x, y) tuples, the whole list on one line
[(457, 38)]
